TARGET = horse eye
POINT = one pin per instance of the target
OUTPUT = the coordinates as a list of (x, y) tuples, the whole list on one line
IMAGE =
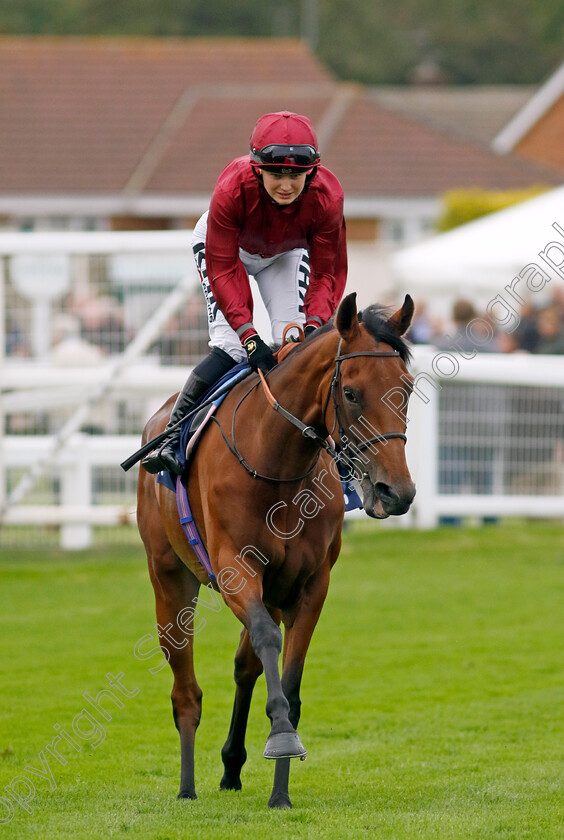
[(350, 395)]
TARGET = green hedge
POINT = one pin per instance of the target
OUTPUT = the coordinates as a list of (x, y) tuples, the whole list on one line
[(461, 206)]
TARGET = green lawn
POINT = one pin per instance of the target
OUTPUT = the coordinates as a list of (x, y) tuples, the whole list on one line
[(433, 697)]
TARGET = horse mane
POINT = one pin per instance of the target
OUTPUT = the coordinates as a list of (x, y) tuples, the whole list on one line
[(375, 319)]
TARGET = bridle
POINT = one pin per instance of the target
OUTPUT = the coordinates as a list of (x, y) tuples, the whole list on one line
[(352, 446)]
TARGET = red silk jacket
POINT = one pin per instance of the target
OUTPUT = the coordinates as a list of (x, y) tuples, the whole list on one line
[(242, 215)]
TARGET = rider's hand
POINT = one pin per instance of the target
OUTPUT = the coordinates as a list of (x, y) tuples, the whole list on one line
[(259, 354), (310, 328)]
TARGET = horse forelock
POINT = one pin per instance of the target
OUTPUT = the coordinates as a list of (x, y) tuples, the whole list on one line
[(376, 320)]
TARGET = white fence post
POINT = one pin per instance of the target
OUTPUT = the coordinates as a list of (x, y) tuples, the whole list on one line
[(76, 489), (423, 449)]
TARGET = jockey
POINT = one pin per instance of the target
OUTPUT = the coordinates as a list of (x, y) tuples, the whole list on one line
[(277, 215)]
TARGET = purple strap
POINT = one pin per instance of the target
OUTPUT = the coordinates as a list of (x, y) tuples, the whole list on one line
[(187, 522)]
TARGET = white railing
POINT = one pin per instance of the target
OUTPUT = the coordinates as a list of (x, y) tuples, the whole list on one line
[(488, 434), (471, 453), (75, 513), (543, 377), (38, 387), (38, 273)]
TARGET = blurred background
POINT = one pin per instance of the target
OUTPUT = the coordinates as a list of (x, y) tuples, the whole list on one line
[(444, 123)]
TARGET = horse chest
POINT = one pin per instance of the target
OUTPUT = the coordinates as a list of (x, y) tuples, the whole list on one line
[(284, 581)]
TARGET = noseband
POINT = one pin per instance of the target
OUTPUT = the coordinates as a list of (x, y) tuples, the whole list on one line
[(352, 445)]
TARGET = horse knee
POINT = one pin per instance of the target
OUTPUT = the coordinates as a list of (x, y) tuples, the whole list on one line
[(265, 634), (187, 708)]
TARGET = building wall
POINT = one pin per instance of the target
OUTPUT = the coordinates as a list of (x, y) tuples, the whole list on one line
[(544, 143)]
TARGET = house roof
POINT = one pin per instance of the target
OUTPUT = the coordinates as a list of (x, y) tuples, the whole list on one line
[(406, 157), (530, 114), (476, 112), (79, 114), (105, 116)]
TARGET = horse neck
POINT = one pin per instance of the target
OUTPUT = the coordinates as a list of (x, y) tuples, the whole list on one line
[(305, 378), (300, 385)]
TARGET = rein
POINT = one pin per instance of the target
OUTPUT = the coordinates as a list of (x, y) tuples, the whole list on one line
[(309, 431)]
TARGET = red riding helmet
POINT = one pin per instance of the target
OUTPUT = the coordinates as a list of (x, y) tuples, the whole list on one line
[(284, 141)]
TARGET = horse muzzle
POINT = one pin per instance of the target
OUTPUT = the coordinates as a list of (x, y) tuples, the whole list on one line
[(380, 500)]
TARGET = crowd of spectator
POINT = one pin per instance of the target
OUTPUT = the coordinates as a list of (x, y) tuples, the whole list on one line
[(90, 328), (97, 324), (535, 329)]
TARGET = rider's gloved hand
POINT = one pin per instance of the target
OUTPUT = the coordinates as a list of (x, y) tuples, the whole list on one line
[(259, 354), (309, 328)]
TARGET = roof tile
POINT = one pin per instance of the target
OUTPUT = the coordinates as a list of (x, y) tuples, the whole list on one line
[(102, 115)]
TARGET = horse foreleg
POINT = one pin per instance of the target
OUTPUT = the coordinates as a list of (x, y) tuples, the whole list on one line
[(176, 589), (266, 639), (296, 642), (248, 668)]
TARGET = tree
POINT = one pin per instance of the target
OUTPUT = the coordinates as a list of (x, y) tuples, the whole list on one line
[(473, 42)]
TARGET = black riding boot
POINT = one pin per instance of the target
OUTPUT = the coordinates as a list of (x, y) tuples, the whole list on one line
[(204, 375), (164, 457)]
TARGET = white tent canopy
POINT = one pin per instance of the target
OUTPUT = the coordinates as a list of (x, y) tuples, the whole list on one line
[(478, 259)]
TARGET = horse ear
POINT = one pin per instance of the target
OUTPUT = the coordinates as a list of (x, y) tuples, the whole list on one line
[(346, 319), (401, 320)]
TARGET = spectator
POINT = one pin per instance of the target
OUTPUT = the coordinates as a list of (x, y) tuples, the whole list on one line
[(101, 320), (68, 348), (17, 343), (527, 331), (470, 331), (508, 342), (421, 330), (551, 330)]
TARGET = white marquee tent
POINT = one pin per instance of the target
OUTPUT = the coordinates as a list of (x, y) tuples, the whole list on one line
[(478, 259)]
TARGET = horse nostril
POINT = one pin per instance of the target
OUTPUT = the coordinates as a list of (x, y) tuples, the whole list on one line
[(385, 493), (395, 502)]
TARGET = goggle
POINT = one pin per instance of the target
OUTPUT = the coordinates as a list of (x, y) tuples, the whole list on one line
[(277, 155)]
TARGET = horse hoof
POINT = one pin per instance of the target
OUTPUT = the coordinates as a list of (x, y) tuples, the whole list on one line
[(279, 802), (186, 795), (230, 784), (284, 745)]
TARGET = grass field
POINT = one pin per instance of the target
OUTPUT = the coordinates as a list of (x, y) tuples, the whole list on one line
[(433, 697)]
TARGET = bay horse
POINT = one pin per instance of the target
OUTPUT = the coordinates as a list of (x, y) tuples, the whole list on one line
[(268, 504)]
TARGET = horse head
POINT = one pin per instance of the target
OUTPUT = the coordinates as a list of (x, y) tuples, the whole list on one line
[(371, 380)]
